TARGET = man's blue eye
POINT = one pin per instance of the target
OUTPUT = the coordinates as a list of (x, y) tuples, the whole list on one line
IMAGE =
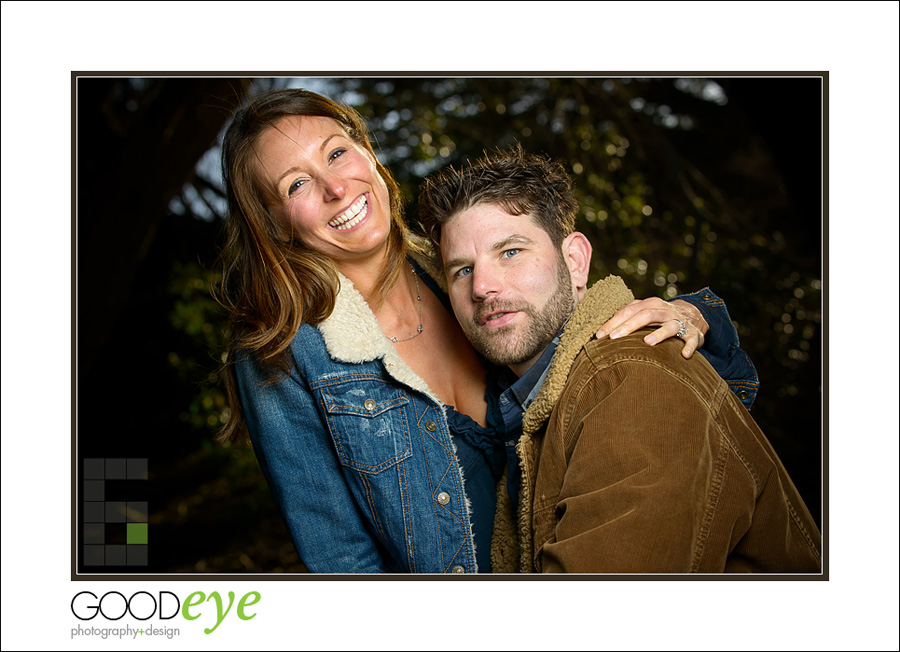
[(509, 253), (464, 271)]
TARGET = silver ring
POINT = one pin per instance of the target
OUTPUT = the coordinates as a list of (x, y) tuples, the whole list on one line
[(681, 331)]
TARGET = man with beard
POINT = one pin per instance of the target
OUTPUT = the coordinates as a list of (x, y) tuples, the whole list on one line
[(632, 459)]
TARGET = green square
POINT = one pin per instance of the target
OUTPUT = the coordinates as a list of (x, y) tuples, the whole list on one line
[(136, 533)]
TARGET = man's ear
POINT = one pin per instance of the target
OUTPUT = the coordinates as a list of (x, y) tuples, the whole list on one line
[(576, 251)]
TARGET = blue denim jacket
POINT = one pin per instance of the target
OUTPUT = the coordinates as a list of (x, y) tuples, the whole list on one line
[(357, 452), (722, 348)]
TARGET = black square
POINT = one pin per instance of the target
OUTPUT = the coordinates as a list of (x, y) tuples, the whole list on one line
[(115, 468), (94, 533), (93, 468), (115, 555), (136, 468), (116, 533), (136, 512), (93, 555), (94, 512), (93, 490), (137, 555), (115, 512)]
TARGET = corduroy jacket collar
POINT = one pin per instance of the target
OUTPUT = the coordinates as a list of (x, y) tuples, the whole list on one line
[(600, 303)]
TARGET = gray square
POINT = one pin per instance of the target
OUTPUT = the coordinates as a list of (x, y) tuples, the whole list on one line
[(115, 555), (137, 555), (115, 512), (136, 468), (93, 490), (93, 555), (94, 533), (93, 468), (115, 468), (136, 512), (94, 512)]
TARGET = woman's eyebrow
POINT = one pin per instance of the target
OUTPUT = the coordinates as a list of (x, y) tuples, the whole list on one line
[(296, 167)]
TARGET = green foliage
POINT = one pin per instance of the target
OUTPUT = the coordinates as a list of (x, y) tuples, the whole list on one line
[(197, 315)]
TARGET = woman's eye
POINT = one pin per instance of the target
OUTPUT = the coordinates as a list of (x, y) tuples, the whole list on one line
[(336, 154), (509, 253), (294, 187)]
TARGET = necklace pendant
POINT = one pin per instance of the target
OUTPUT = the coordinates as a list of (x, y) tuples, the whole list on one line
[(419, 301)]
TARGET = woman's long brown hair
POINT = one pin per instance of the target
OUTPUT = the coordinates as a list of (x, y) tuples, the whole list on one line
[(271, 282)]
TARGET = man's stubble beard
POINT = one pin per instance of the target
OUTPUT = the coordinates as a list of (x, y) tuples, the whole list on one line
[(502, 346)]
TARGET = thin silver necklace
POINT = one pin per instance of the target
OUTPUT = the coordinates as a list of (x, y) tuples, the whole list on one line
[(419, 297)]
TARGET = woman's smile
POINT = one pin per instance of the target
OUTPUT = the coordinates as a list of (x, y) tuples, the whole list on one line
[(353, 216)]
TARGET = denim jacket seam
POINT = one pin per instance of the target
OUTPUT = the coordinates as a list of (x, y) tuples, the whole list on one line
[(343, 378), (458, 481), (376, 517), (714, 301), (428, 474), (408, 540)]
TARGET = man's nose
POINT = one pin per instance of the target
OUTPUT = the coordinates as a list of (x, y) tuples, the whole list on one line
[(486, 282)]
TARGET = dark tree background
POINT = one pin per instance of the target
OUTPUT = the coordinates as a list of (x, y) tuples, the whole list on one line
[(683, 183)]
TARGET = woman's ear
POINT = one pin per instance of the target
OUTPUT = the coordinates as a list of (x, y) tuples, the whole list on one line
[(576, 251)]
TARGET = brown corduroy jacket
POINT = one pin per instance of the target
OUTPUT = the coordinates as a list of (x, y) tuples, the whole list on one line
[(635, 460)]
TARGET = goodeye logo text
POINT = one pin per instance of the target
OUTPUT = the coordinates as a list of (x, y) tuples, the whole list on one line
[(143, 606)]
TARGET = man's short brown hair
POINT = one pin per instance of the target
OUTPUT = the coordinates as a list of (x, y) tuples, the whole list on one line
[(520, 183)]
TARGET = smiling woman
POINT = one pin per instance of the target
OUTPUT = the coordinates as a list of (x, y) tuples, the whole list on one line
[(376, 423), (324, 185)]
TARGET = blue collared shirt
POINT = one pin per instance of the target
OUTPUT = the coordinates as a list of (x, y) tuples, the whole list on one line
[(516, 394)]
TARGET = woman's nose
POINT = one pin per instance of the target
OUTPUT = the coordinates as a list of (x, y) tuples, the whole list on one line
[(335, 186)]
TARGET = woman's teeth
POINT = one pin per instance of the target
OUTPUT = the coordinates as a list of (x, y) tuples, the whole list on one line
[(350, 217)]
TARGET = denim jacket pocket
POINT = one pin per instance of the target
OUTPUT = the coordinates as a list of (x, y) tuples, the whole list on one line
[(368, 423)]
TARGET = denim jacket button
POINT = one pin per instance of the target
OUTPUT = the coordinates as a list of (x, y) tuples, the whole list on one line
[(443, 498), (743, 394), (429, 425), (457, 569), (369, 404)]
